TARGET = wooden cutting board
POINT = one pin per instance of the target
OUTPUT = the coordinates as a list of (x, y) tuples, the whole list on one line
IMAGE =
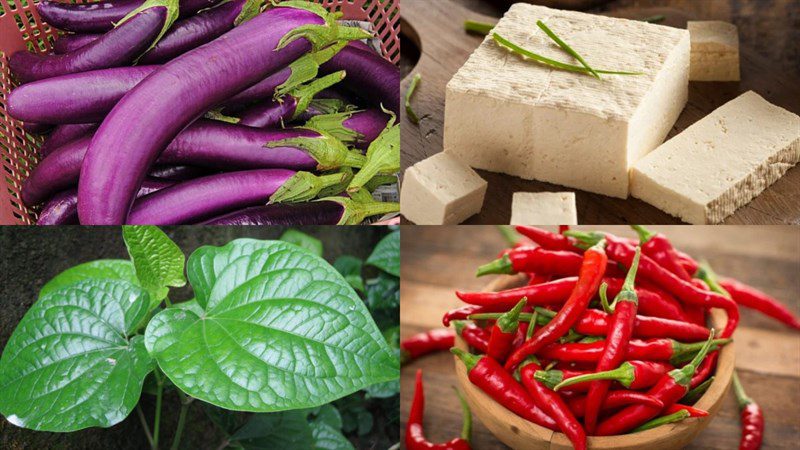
[(436, 29)]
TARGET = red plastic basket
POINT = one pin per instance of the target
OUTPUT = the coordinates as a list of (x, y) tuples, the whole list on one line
[(21, 27)]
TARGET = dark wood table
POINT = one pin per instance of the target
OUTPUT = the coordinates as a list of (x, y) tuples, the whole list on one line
[(436, 46), (437, 260)]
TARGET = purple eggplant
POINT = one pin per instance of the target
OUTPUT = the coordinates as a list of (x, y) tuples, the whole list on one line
[(176, 173), (197, 200), (358, 128), (118, 47), (64, 134), (327, 211), (62, 209), (101, 16), (71, 42), (200, 29), (57, 172), (286, 108), (37, 128), (149, 117), (75, 98), (369, 76)]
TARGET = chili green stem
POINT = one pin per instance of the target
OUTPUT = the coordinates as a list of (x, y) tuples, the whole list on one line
[(145, 427), (509, 321), (566, 47), (623, 374), (503, 42), (663, 420), (683, 352), (603, 292), (159, 396), (185, 402), (694, 395), (412, 116), (482, 28), (741, 395), (683, 376), (510, 235), (501, 265), (532, 325), (550, 378), (466, 427), (468, 359), (705, 273), (644, 234)]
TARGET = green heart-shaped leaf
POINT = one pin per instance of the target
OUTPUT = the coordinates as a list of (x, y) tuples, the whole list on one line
[(326, 430), (103, 269), (386, 255), (303, 240), (273, 328), (350, 268), (284, 430), (157, 259), (71, 363)]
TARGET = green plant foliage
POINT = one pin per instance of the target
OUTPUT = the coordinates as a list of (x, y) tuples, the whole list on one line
[(386, 255), (303, 240), (350, 268), (286, 430), (103, 269), (72, 362), (157, 260)]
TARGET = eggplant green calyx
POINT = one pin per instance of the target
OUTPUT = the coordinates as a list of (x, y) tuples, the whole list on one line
[(304, 186), (306, 68), (319, 36), (412, 116), (250, 9), (306, 93), (329, 152), (355, 212), (383, 156), (333, 124), (172, 16)]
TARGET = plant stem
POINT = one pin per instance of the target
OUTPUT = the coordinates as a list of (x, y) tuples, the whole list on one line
[(185, 402), (159, 395), (145, 427), (223, 444), (471, 26), (566, 47)]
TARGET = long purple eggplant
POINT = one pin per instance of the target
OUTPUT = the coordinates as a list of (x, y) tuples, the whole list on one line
[(71, 42), (327, 211), (75, 98), (64, 134), (369, 76), (176, 173), (62, 209), (101, 16), (204, 144), (37, 128), (200, 29), (358, 128), (150, 116), (197, 200), (118, 47), (278, 111)]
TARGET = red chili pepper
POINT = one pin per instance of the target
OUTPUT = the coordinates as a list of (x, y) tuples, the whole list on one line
[(551, 293), (474, 336), (669, 389), (535, 278), (660, 249), (563, 228), (630, 374), (751, 416), (426, 342), (693, 412), (534, 259), (551, 378), (647, 350), (552, 404), (704, 370), (615, 399), (688, 293), (489, 376), (591, 273), (755, 299), (546, 239), (415, 435), (503, 333), (653, 301), (688, 263), (465, 311)]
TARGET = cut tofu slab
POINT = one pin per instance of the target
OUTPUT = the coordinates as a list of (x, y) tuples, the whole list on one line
[(515, 116), (441, 190), (720, 163), (715, 51), (543, 208)]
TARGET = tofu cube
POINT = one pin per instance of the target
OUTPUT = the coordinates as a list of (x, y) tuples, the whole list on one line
[(441, 190), (511, 115), (715, 51), (543, 208), (721, 162)]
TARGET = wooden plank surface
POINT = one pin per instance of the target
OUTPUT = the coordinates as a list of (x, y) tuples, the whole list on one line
[(435, 30), (438, 260)]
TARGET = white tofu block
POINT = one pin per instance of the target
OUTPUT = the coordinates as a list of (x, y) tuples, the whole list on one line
[(441, 190), (715, 51), (721, 162), (510, 115), (543, 208)]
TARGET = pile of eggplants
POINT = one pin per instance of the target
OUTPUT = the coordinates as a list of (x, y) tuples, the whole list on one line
[(207, 111)]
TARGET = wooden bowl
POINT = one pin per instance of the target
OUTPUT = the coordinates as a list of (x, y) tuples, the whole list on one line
[(518, 433)]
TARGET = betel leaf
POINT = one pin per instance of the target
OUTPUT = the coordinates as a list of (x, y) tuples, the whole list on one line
[(283, 430), (103, 269), (326, 430), (273, 328), (158, 261), (350, 268), (72, 363), (303, 240), (386, 255)]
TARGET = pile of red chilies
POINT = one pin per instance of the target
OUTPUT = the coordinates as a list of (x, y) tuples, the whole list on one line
[(558, 353)]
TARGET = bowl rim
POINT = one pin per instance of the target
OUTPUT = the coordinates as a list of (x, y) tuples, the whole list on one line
[(710, 401)]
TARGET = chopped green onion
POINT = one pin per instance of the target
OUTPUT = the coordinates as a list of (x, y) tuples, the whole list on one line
[(566, 47), (655, 19), (411, 88), (471, 26), (551, 62)]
